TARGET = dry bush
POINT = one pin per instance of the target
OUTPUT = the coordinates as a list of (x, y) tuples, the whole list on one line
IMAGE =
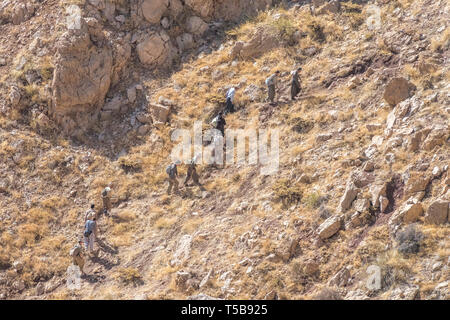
[(314, 200), (165, 223), (129, 276), (126, 216), (409, 240), (30, 233), (287, 193)]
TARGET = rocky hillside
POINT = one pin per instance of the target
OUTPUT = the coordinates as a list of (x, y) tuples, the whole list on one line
[(92, 90)]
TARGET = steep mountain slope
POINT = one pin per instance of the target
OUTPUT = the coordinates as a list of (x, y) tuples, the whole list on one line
[(363, 171)]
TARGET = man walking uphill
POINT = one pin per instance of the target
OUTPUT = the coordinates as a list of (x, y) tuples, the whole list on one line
[(77, 255), (90, 234), (192, 173), (172, 172), (271, 83), (295, 84), (219, 123), (230, 98), (90, 214), (106, 200)]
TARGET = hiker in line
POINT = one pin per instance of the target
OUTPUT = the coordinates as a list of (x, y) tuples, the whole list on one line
[(295, 84), (77, 255), (172, 172), (271, 83), (90, 214), (219, 123), (230, 99), (106, 200), (90, 234), (192, 173)]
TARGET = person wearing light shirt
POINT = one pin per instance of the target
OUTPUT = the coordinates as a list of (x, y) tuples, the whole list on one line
[(230, 99), (271, 83)]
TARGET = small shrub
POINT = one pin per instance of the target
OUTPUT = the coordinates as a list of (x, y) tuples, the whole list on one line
[(129, 276), (316, 31), (286, 193), (314, 200), (409, 240), (130, 165), (285, 29), (302, 126), (324, 212)]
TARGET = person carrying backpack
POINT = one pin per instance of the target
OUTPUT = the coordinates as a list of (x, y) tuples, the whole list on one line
[(295, 84), (220, 123), (77, 255), (172, 172), (90, 214), (271, 83), (106, 200), (192, 173), (230, 98), (90, 234)]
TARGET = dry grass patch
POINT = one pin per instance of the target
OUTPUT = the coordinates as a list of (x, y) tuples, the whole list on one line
[(128, 276)]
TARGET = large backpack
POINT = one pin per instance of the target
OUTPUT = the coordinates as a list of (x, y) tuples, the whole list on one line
[(75, 251), (89, 227), (170, 170)]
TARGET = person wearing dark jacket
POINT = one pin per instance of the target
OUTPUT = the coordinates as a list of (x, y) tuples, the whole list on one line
[(220, 123), (230, 99), (192, 173), (295, 84)]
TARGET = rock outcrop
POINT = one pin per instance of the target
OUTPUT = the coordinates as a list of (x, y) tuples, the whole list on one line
[(329, 227), (260, 42), (82, 78), (155, 50), (153, 10), (437, 212), (397, 90)]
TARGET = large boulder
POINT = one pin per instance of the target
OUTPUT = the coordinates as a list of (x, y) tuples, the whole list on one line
[(260, 43), (377, 191), (437, 137), (159, 112), (397, 90), (437, 212), (175, 8), (204, 8), (153, 10), (82, 77), (196, 25), (329, 227), (407, 214), (185, 42), (155, 50), (417, 182), (349, 195)]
